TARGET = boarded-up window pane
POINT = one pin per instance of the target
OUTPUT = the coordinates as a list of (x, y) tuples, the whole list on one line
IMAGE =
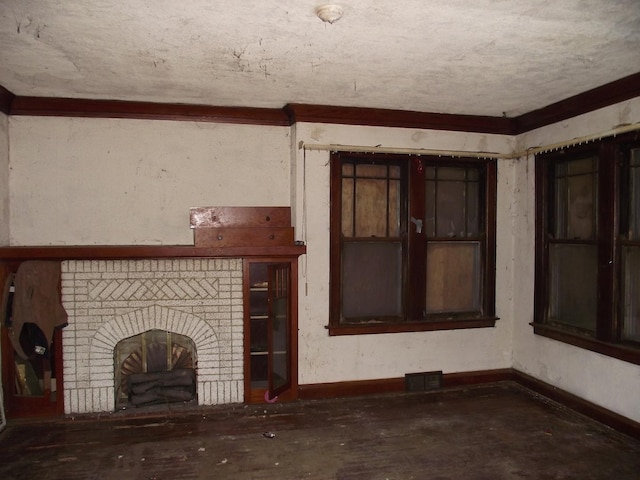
[(394, 208), (453, 277), (371, 200), (347, 207), (371, 208)]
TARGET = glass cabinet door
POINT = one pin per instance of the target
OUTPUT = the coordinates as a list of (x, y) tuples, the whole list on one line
[(258, 325), (279, 329), (270, 326)]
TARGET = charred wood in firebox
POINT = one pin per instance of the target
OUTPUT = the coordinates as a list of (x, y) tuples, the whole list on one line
[(141, 382), (161, 395), (161, 387)]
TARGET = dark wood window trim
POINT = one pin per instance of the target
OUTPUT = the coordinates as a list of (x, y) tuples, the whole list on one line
[(413, 319), (619, 351), (424, 326), (606, 337)]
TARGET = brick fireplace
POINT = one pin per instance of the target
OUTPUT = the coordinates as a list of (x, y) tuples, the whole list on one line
[(111, 300)]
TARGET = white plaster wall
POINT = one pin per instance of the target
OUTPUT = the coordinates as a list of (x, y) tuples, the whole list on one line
[(81, 181), (4, 179), (602, 380), (343, 358)]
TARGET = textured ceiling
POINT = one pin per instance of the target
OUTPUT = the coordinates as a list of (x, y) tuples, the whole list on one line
[(481, 57)]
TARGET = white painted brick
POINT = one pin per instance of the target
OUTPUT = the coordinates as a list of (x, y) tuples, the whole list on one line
[(67, 400), (73, 401), (98, 384), (98, 326)]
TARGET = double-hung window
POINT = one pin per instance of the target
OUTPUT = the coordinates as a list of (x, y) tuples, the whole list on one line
[(588, 246), (412, 243)]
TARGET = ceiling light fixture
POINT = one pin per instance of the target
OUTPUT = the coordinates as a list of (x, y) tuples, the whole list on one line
[(329, 13)]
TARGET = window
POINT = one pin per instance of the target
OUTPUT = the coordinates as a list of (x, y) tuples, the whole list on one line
[(588, 247), (412, 243)]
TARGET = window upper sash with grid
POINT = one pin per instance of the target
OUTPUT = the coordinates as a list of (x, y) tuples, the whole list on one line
[(575, 199), (373, 197), (452, 202)]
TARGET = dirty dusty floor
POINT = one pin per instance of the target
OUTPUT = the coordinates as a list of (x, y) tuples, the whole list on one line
[(492, 432)]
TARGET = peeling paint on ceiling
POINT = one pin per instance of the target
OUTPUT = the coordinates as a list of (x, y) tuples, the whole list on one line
[(486, 57)]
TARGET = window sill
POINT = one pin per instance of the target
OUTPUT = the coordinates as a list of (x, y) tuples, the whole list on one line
[(368, 328), (621, 352)]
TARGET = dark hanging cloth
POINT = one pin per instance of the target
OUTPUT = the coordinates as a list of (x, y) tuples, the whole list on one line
[(36, 301)]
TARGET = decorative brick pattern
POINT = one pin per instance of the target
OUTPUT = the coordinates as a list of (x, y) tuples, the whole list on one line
[(108, 301)]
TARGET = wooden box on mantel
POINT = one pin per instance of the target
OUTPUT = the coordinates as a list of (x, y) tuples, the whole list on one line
[(242, 226)]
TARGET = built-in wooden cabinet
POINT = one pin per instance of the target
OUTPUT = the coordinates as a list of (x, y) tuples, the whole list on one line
[(271, 328), (32, 387)]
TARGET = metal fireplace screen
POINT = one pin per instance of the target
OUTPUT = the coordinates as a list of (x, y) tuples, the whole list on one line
[(154, 367)]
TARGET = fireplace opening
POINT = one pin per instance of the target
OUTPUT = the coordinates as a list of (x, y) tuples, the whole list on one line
[(155, 367)]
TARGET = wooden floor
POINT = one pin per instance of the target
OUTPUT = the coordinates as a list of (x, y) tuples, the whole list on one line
[(492, 432)]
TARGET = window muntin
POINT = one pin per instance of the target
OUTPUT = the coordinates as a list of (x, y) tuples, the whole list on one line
[(412, 246)]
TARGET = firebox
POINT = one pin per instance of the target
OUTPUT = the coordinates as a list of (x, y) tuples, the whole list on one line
[(154, 367)]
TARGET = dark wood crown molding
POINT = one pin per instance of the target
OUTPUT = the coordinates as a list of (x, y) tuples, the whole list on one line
[(72, 107), (398, 118), (6, 99), (618, 91), (605, 95)]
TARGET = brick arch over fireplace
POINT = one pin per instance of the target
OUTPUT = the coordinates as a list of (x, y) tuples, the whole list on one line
[(155, 317)]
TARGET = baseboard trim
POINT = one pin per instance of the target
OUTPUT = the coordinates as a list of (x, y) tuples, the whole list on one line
[(596, 412), (396, 385), (314, 391)]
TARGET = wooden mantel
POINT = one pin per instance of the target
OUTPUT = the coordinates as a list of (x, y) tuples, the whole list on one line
[(134, 252), (219, 232)]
